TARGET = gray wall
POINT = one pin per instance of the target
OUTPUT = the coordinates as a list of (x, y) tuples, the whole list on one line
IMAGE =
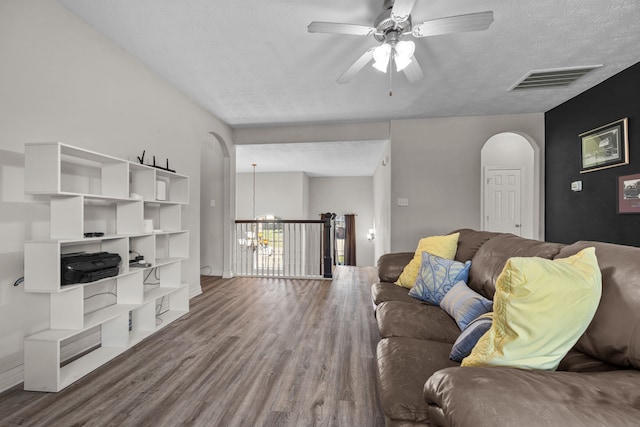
[(312, 133), (282, 194), (435, 163), (347, 195), (62, 81), (382, 205)]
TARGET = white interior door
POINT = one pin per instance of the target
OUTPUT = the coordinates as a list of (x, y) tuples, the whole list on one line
[(503, 195)]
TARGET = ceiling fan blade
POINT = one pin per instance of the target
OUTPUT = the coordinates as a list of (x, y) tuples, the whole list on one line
[(357, 66), (453, 24), (402, 9), (413, 71), (338, 28)]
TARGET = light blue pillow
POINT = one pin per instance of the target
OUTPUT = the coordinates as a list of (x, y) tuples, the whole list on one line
[(470, 336), (464, 305), (438, 275)]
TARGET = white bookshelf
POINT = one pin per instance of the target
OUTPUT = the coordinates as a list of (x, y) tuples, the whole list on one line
[(92, 192)]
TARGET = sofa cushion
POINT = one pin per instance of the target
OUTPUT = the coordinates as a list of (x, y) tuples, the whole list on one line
[(404, 364), (385, 291), (390, 266), (490, 397), (470, 241), (614, 334), (421, 321), (493, 255), (470, 336), (465, 305), (575, 361), (442, 246), (438, 275), (541, 309)]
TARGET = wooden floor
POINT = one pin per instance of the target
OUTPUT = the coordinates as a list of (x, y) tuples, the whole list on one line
[(251, 352)]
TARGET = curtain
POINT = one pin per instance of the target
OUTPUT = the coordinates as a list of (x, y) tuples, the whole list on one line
[(350, 239)]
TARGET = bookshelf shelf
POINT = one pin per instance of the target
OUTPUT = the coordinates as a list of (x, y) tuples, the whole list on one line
[(90, 192)]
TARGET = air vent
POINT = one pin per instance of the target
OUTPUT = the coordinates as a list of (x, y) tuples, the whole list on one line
[(538, 79)]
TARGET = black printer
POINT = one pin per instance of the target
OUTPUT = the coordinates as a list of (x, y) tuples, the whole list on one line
[(83, 267)]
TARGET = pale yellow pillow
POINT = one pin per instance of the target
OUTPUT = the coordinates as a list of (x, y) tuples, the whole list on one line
[(442, 246), (541, 308)]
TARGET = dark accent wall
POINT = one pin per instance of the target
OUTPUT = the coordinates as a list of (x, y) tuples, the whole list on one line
[(592, 213)]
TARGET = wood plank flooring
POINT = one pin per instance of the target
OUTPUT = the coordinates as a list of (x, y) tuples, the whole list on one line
[(251, 352)]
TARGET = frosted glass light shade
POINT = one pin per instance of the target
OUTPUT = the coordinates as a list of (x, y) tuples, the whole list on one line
[(401, 62), (403, 54), (405, 49), (381, 56)]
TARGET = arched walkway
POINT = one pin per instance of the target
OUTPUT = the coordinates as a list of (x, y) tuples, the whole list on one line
[(217, 206), (515, 151)]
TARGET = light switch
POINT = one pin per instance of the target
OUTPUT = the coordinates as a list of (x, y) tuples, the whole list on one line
[(576, 186), (213, 203), (403, 202)]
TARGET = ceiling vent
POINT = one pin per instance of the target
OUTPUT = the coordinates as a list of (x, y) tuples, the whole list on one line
[(540, 79)]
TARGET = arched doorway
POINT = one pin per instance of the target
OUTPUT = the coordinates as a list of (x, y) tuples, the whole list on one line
[(217, 206), (511, 185)]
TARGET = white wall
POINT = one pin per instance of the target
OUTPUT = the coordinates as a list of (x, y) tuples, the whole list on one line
[(306, 214), (435, 163), (382, 205), (212, 188), (281, 194), (62, 81), (345, 195)]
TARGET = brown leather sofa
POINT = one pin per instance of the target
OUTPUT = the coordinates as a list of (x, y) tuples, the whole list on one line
[(596, 384)]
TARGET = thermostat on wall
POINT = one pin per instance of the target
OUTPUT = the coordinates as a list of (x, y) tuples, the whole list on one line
[(576, 186)]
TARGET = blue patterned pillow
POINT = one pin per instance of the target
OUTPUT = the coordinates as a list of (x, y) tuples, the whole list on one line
[(470, 336), (438, 275), (464, 305)]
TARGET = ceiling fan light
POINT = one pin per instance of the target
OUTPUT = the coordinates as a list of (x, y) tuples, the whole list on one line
[(381, 55), (401, 62), (381, 65), (405, 49)]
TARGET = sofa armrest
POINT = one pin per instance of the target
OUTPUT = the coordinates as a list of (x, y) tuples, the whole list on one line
[(390, 266), (504, 397)]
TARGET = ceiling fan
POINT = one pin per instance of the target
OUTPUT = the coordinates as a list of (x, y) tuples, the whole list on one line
[(391, 28)]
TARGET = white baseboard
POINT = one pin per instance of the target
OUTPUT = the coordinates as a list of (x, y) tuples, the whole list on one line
[(194, 292), (11, 378), (218, 273)]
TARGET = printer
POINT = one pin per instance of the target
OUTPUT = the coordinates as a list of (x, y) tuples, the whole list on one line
[(83, 267)]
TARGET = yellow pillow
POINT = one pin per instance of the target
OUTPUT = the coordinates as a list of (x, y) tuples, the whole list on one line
[(541, 308), (442, 246)]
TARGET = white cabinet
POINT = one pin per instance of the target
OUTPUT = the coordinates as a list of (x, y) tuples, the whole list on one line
[(90, 192)]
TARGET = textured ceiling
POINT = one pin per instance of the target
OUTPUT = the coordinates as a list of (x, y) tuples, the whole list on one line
[(252, 62)]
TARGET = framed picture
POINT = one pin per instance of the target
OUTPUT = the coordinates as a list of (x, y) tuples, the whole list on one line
[(629, 194), (605, 147)]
